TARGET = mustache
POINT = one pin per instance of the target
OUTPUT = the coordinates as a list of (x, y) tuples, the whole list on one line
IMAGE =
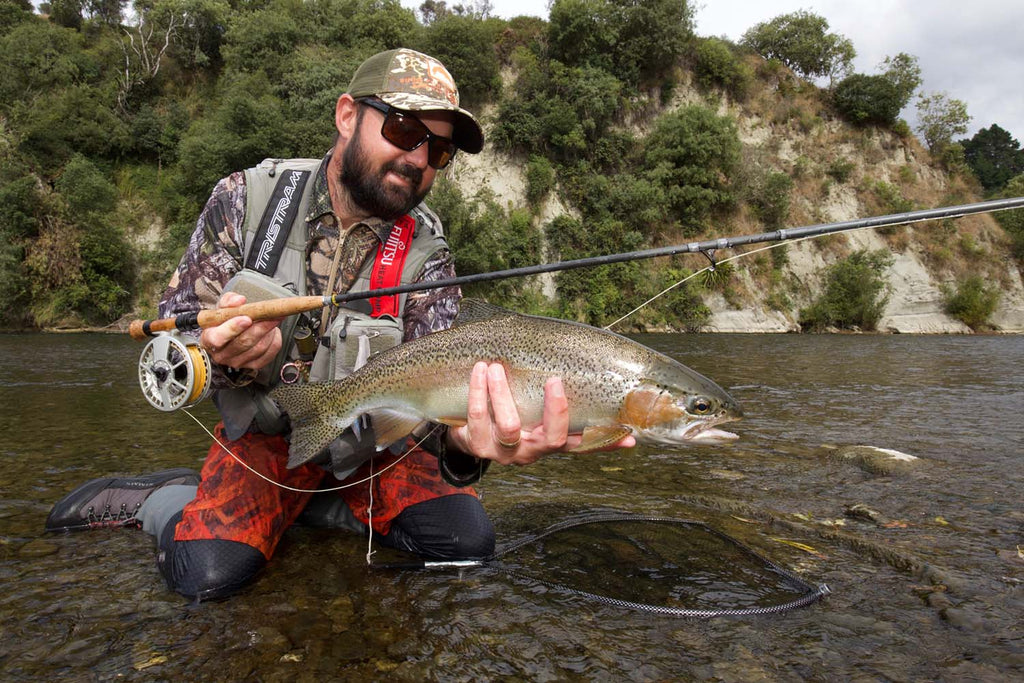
[(413, 174)]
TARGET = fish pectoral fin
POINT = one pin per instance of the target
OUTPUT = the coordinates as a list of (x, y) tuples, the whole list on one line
[(595, 437), (391, 425)]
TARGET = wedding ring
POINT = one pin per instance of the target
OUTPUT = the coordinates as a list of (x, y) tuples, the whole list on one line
[(509, 445)]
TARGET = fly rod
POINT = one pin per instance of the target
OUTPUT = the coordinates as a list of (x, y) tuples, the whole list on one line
[(279, 308)]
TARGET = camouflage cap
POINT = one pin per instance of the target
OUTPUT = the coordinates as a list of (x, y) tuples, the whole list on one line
[(413, 81)]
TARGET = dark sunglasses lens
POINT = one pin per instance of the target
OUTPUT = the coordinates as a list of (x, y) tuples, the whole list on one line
[(440, 152), (408, 133), (404, 131)]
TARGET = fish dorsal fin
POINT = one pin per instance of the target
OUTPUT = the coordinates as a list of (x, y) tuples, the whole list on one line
[(600, 436), (475, 310)]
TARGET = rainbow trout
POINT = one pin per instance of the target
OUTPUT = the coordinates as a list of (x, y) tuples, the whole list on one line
[(614, 385)]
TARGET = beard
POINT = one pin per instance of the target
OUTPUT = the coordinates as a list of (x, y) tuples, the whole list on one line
[(366, 186)]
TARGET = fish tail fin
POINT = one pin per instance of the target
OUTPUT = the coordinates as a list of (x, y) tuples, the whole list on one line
[(315, 419)]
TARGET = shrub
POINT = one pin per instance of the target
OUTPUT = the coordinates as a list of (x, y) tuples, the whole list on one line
[(540, 179), (85, 188), (1013, 221), (715, 64), (466, 46), (866, 100), (972, 302), (840, 170), (770, 199), (638, 42), (690, 154), (854, 294)]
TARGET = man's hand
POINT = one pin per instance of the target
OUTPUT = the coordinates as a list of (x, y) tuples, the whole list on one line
[(497, 434), (239, 342)]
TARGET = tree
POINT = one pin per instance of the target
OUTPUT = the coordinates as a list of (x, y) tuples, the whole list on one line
[(433, 10), (691, 153), (939, 119), (636, 41), (801, 41), (855, 293), (904, 73), (994, 156), (466, 47), (865, 99), (147, 41)]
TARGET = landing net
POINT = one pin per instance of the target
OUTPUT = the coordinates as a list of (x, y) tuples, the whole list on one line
[(660, 565)]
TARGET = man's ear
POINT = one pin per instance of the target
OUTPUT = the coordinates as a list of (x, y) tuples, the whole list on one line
[(345, 111)]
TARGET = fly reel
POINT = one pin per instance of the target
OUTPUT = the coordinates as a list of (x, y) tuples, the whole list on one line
[(174, 372)]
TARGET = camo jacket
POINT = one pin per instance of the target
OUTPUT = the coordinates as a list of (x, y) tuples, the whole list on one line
[(215, 253)]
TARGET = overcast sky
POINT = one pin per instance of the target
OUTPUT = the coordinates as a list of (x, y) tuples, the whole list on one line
[(971, 49)]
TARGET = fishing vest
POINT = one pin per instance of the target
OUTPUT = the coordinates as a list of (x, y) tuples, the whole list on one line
[(278, 195)]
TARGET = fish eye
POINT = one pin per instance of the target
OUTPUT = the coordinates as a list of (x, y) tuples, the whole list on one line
[(700, 405)]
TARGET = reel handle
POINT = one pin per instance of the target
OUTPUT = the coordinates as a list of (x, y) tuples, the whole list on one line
[(141, 330)]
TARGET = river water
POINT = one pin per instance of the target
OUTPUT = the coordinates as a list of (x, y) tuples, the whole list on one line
[(926, 586)]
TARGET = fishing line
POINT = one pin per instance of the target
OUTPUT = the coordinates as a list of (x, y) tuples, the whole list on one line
[(290, 488), (715, 264), (678, 567)]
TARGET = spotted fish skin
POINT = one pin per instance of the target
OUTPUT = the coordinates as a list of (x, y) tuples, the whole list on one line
[(614, 386)]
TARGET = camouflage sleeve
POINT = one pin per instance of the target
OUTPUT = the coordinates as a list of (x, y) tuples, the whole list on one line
[(433, 309), (214, 251), (213, 256)]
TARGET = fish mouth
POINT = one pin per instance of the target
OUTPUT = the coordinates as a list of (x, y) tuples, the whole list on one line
[(686, 431)]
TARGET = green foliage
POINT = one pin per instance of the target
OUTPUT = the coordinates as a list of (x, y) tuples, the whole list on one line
[(939, 119), (540, 179), (12, 14), (466, 47), (840, 169), (247, 126), (801, 41), (261, 41), (85, 189), (994, 156), (20, 207), (690, 154), (1013, 221), (485, 238), (770, 199), (864, 99), (854, 294), (972, 302), (14, 285), (890, 196), (37, 57), (560, 111), (60, 123), (904, 73), (717, 65), (638, 42)]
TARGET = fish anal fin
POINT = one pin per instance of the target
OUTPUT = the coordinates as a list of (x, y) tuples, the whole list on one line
[(391, 425), (599, 436)]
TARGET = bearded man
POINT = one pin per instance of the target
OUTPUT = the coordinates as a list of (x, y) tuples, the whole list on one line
[(352, 221)]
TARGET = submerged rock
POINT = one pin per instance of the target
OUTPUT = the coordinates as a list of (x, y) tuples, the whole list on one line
[(874, 460)]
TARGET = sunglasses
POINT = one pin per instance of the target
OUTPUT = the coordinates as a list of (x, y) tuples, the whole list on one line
[(407, 132)]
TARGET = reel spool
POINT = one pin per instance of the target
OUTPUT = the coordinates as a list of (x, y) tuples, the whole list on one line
[(173, 373)]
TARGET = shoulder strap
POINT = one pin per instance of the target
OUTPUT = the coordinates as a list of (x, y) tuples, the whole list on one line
[(388, 266), (276, 223)]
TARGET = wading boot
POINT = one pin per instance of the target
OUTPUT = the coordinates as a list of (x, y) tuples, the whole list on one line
[(112, 502)]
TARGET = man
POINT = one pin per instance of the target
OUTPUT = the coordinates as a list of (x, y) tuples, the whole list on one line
[(398, 124)]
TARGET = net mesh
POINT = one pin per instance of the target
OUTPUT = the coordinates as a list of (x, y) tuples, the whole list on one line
[(656, 564)]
